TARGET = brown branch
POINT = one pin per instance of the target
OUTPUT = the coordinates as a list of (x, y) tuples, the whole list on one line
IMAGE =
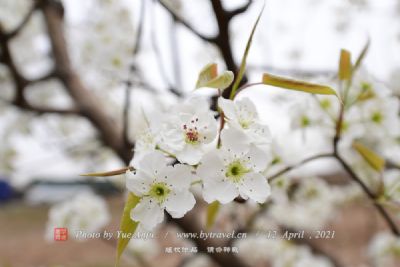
[(50, 75), (125, 114), (371, 195), (11, 34), (239, 10), (186, 24), (289, 168), (385, 215), (85, 100), (46, 110)]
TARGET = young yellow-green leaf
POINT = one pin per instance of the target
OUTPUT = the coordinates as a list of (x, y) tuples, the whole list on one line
[(221, 81), (361, 57), (212, 211), (208, 73), (296, 85), (374, 160), (345, 68), (109, 173), (127, 225), (244, 58), (209, 77)]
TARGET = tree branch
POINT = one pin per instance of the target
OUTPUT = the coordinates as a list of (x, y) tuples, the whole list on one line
[(46, 110), (184, 23), (11, 34), (289, 168), (85, 100), (371, 196), (239, 10)]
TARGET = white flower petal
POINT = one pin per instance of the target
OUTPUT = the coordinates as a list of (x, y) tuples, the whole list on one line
[(138, 182), (179, 202), (181, 176), (148, 212), (228, 107), (259, 134), (255, 187), (152, 163), (258, 159), (223, 191), (234, 140), (210, 166), (191, 154)]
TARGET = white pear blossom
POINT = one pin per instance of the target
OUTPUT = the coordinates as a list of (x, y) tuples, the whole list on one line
[(307, 113), (188, 129), (307, 204), (384, 250), (391, 179), (160, 187), (145, 144), (85, 212), (147, 248), (242, 114), (380, 117), (365, 87), (233, 170)]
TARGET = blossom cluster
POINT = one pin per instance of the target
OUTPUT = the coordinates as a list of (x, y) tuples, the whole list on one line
[(185, 146), (371, 116)]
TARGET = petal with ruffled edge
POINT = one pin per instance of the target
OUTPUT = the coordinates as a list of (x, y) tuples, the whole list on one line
[(179, 202), (148, 212), (255, 187)]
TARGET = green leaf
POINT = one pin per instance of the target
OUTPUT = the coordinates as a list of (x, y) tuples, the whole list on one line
[(212, 211), (242, 68), (374, 160), (209, 77), (127, 225), (345, 68), (296, 85), (109, 173), (362, 55)]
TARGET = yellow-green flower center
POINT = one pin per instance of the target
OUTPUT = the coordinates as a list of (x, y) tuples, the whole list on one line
[(236, 170), (245, 124), (377, 117), (305, 121), (159, 191), (325, 104)]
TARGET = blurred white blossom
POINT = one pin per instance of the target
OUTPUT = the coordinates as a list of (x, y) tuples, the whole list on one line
[(85, 212)]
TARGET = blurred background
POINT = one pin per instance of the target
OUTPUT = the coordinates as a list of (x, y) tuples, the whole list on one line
[(74, 75)]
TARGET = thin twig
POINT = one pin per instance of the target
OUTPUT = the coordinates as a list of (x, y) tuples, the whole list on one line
[(239, 10), (11, 34), (184, 23), (371, 196), (289, 168)]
